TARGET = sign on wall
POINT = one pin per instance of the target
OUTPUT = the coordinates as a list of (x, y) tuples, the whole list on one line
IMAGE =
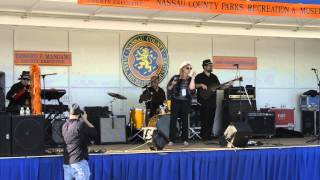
[(42, 58), (218, 7), (228, 62), (144, 56)]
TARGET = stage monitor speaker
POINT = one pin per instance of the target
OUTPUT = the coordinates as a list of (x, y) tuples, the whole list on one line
[(160, 136), (261, 123), (163, 125), (27, 135), (2, 91), (237, 134), (5, 134), (113, 130), (308, 122)]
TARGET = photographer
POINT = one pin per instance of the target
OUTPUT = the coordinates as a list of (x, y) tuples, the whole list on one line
[(76, 132)]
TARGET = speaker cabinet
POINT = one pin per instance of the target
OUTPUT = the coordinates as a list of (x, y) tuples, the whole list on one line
[(231, 110), (57, 131), (237, 134), (113, 130), (2, 91), (308, 120), (94, 114), (27, 135), (5, 134)]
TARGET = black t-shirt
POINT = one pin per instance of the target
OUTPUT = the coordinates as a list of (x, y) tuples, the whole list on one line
[(209, 81), (181, 90), (158, 97), (76, 135)]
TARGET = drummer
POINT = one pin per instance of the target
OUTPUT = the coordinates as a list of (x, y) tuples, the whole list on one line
[(153, 96)]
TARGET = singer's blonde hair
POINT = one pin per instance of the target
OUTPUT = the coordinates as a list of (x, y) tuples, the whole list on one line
[(184, 64)]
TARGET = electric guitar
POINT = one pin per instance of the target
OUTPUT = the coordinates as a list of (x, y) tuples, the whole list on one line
[(205, 94)]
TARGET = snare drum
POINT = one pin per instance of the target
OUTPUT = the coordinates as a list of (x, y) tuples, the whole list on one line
[(137, 117)]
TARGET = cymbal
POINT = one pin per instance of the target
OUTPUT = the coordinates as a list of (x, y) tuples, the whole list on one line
[(118, 96)]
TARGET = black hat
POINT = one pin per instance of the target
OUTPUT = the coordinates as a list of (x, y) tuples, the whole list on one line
[(206, 62), (74, 109), (25, 75)]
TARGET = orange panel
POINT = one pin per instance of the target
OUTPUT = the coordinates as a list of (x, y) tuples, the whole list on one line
[(217, 7), (228, 62)]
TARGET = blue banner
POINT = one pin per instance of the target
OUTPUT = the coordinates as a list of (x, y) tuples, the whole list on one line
[(301, 163)]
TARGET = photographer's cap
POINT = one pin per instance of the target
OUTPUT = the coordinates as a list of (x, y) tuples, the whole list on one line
[(74, 109)]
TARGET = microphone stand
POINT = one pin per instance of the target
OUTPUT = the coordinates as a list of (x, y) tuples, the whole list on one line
[(44, 90), (317, 136), (240, 101)]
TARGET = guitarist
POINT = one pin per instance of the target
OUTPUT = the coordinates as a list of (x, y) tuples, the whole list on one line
[(203, 81), (19, 95)]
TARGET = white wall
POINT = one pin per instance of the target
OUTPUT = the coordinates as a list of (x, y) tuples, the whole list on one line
[(283, 63)]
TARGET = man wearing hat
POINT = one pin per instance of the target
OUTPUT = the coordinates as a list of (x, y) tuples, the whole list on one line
[(76, 132), (19, 95), (203, 81), (154, 96)]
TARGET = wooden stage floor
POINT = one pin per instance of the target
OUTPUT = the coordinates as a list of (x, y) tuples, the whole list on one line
[(194, 146)]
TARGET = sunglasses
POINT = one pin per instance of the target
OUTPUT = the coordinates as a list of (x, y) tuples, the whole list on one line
[(26, 79), (189, 68)]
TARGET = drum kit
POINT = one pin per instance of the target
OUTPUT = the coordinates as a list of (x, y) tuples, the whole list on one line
[(153, 131)]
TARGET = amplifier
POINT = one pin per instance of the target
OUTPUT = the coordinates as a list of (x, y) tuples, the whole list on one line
[(113, 129), (240, 92), (261, 123)]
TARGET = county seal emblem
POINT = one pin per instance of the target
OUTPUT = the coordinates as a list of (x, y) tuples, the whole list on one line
[(143, 56)]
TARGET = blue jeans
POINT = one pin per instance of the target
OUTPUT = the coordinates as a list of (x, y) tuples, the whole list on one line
[(79, 171)]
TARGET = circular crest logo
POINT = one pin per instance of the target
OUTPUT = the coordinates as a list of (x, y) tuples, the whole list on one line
[(144, 56)]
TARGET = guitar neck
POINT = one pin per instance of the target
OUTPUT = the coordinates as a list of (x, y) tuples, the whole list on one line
[(223, 84)]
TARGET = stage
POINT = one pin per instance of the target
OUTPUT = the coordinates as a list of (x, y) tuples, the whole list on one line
[(278, 158)]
